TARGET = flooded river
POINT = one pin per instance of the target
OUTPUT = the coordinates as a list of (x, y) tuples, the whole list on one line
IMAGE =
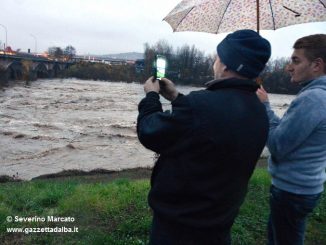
[(54, 125)]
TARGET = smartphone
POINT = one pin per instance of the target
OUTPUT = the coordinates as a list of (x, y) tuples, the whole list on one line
[(160, 67)]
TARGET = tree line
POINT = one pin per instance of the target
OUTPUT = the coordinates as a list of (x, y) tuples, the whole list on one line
[(62, 53), (276, 79), (103, 72), (186, 66)]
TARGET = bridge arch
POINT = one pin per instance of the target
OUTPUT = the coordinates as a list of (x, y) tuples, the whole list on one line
[(55, 70), (41, 70), (14, 70)]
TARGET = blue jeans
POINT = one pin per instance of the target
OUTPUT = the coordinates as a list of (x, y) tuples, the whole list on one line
[(288, 215)]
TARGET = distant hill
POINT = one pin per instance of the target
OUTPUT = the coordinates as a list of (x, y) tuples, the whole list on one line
[(124, 56)]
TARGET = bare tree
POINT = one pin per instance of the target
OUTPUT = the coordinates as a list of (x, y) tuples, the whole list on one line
[(56, 52), (69, 52)]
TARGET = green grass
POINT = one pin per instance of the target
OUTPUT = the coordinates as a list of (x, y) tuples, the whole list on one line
[(117, 212)]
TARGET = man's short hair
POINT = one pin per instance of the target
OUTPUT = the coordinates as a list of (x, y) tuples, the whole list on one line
[(314, 47)]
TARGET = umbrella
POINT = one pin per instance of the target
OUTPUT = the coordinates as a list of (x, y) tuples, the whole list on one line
[(217, 16)]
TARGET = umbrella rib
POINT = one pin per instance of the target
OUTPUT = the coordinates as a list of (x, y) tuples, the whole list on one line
[(270, 4), (223, 16), (322, 3), (296, 13), (185, 16)]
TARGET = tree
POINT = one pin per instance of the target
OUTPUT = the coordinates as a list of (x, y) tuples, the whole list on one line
[(186, 65), (56, 52), (277, 79), (69, 52), (149, 56)]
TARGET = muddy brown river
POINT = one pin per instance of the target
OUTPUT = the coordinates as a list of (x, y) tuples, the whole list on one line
[(63, 124)]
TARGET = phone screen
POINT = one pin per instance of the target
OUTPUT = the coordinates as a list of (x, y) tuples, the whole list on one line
[(160, 66)]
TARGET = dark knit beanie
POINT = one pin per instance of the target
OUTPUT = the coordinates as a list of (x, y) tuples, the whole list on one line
[(244, 52)]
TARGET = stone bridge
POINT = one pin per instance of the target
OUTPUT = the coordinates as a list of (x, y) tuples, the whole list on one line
[(29, 67)]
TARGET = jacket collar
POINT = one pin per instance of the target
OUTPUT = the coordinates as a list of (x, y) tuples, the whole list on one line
[(319, 82), (234, 83)]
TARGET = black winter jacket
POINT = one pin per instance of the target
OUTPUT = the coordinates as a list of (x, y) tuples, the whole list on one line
[(209, 145)]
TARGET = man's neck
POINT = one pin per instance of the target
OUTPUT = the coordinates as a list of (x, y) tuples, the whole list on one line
[(230, 74), (304, 83)]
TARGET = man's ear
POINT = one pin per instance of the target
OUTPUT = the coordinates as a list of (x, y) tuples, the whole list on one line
[(319, 65)]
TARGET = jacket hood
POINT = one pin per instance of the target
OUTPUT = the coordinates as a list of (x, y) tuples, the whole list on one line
[(320, 83)]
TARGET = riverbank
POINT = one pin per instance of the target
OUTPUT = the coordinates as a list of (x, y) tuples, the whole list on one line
[(100, 174), (112, 209), (96, 175)]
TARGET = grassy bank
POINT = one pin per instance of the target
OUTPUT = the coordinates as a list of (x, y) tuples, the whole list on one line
[(116, 211)]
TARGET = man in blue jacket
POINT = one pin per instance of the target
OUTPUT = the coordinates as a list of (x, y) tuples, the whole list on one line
[(297, 144), (208, 145)]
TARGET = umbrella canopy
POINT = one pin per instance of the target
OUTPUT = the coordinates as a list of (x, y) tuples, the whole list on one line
[(218, 16)]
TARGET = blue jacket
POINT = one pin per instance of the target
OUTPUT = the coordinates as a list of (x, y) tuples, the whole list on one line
[(297, 142), (209, 145)]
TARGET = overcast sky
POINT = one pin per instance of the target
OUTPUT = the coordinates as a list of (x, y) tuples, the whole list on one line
[(114, 26)]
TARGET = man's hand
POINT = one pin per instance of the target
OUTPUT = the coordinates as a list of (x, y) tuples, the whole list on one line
[(151, 85), (168, 90), (262, 94)]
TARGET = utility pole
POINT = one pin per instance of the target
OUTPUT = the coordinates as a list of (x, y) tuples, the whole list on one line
[(35, 43), (6, 44)]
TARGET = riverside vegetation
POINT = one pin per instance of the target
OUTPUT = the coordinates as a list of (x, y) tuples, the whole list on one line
[(186, 66), (110, 211)]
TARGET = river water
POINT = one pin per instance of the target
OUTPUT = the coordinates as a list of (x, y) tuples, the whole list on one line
[(53, 125)]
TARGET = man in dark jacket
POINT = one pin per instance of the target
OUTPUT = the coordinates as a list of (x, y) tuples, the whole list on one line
[(209, 145)]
